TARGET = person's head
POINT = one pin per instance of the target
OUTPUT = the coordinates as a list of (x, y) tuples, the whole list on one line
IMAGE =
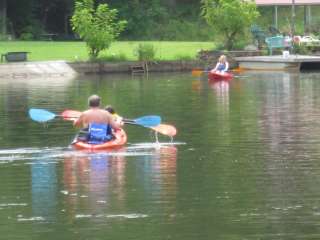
[(222, 58), (94, 101), (110, 109)]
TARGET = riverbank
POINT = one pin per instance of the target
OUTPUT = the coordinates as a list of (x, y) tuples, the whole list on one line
[(64, 68)]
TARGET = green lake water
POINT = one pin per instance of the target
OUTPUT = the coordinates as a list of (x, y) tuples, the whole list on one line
[(245, 163)]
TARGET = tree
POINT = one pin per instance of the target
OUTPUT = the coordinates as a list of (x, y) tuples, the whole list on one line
[(3, 16), (144, 17), (230, 18), (96, 26)]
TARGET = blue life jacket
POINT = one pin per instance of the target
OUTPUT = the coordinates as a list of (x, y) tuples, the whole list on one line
[(99, 133), (221, 67)]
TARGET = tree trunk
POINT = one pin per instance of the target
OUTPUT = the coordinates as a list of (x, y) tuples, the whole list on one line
[(3, 17)]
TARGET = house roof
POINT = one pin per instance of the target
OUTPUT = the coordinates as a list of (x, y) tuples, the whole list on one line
[(286, 2)]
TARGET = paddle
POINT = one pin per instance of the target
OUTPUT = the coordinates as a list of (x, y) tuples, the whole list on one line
[(199, 72), (164, 129), (42, 115), (145, 121), (70, 114)]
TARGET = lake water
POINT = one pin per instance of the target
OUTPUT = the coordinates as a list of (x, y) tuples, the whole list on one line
[(245, 163)]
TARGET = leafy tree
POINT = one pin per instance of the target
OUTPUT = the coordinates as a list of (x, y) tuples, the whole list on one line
[(3, 16), (230, 18), (144, 17), (96, 26)]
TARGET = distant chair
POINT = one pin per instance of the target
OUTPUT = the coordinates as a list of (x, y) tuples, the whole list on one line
[(274, 31), (258, 34), (278, 42)]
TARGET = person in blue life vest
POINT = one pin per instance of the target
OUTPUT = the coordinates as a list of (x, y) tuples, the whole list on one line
[(96, 123), (222, 65)]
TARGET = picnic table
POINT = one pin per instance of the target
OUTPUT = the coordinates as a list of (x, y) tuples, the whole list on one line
[(14, 56)]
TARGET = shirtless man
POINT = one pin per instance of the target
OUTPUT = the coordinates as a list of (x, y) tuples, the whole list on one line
[(95, 115)]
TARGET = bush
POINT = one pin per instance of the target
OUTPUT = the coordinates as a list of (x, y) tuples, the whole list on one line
[(32, 31), (114, 57), (175, 30), (26, 36), (145, 52), (300, 49), (5, 37)]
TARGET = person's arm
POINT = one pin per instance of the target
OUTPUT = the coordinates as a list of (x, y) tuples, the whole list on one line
[(114, 124), (216, 67), (226, 67), (78, 122)]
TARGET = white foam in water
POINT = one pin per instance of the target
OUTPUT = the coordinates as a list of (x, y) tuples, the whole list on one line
[(23, 154), (101, 154), (21, 151), (31, 219), (129, 216), (50, 155), (134, 215), (12, 204), (83, 216), (154, 145)]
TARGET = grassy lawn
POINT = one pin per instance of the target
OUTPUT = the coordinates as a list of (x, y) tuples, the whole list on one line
[(77, 51)]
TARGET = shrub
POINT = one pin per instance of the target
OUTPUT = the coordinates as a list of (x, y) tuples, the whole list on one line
[(114, 57), (300, 49), (145, 52), (26, 36)]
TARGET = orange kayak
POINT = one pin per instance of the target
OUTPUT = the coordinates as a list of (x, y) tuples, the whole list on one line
[(120, 139)]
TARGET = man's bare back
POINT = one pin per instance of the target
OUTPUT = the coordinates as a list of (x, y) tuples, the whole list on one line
[(96, 115)]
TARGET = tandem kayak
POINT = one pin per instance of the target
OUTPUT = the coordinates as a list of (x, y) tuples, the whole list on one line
[(217, 76), (120, 139)]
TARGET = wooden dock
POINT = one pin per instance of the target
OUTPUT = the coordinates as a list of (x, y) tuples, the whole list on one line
[(279, 62)]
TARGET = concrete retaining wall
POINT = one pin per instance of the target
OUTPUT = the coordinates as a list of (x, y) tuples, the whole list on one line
[(207, 59), (123, 67), (62, 68)]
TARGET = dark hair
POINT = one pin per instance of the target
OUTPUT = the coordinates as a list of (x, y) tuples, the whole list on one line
[(110, 109), (94, 101)]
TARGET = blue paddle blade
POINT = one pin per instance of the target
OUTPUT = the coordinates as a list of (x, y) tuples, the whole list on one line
[(41, 115), (148, 121)]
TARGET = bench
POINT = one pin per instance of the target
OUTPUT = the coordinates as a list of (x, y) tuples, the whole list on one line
[(48, 36), (14, 56), (277, 42)]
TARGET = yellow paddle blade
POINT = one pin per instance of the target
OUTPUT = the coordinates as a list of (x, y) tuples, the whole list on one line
[(165, 129), (238, 70), (196, 72)]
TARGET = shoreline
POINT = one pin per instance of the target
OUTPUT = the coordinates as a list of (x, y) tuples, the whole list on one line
[(63, 68), (60, 68)]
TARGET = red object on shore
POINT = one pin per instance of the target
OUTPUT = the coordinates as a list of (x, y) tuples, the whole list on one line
[(218, 76)]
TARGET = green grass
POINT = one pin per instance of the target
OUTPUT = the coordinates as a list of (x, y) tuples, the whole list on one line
[(77, 51)]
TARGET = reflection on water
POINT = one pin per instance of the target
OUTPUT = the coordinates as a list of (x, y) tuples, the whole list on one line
[(44, 189), (244, 164), (100, 185), (221, 89)]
